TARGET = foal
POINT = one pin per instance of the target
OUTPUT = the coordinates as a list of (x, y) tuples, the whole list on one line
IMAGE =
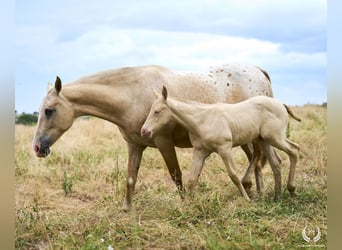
[(219, 127)]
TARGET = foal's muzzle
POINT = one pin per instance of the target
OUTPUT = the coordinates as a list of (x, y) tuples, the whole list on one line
[(145, 132)]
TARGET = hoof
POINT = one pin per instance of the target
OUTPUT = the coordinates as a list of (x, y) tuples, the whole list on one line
[(247, 199), (190, 186), (291, 189), (182, 193), (126, 207), (247, 184)]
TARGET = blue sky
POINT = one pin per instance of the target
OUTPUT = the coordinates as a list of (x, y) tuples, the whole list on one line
[(73, 38)]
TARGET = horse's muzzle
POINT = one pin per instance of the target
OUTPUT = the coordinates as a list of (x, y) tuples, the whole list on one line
[(145, 132), (41, 150)]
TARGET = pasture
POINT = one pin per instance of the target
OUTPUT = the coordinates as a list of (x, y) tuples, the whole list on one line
[(73, 198)]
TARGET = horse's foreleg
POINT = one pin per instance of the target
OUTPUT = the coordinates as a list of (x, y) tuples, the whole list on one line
[(198, 159), (134, 158), (226, 154), (167, 150)]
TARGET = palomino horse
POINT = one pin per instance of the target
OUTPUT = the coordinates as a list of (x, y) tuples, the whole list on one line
[(218, 127), (124, 97)]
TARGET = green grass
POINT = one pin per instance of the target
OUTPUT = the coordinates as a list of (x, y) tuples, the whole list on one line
[(90, 160)]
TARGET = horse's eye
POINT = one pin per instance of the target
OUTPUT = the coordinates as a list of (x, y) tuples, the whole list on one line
[(48, 112), (156, 112)]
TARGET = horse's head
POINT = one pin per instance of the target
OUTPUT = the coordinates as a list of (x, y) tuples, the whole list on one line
[(159, 116), (56, 115)]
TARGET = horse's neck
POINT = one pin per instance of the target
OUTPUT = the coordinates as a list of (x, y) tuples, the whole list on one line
[(95, 100), (183, 113)]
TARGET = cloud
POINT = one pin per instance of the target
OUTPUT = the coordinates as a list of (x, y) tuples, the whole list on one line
[(73, 38), (288, 22), (109, 47)]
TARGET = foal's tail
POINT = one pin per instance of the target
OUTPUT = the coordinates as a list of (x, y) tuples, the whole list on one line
[(291, 113)]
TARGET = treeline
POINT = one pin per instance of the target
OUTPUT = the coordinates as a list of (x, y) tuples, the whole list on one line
[(26, 119)]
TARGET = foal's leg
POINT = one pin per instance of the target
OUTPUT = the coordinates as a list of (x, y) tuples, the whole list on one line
[(226, 154), (272, 157), (246, 180), (290, 148), (258, 166), (259, 179), (198, 159)]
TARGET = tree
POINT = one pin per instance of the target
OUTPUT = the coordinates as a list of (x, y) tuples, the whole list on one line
[(26, 119)]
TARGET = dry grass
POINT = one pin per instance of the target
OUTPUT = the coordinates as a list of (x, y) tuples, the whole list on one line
[(91, 160)]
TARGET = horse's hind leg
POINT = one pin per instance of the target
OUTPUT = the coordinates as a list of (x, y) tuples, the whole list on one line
[(253, 166), (258, 170), (289, 148), (293, 162), (274, 162), (259, 179), (226, 154), (258, 166), (168, 152)]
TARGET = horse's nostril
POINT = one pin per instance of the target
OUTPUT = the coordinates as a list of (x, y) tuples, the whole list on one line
[(145, 132), (36, 148)]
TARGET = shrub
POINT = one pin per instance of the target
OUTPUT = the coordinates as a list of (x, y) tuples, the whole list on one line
[(26, 119)]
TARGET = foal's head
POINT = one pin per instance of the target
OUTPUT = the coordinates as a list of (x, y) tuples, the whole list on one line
[(159, 116), (56, 115)]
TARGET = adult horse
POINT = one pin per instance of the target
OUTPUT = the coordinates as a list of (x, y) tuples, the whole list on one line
[(124, 97)]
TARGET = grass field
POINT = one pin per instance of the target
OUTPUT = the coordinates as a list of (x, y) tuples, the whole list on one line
[(73, 198)]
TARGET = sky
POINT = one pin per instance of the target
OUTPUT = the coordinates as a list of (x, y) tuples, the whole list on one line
[(73, 38)]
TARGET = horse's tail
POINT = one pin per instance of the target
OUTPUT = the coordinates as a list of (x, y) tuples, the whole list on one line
[(291, 113)]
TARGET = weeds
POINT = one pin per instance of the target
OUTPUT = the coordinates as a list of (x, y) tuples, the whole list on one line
[(67, 184)]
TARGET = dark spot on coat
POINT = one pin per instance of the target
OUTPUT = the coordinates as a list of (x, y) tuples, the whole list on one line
[(228, 84), (230, 74)]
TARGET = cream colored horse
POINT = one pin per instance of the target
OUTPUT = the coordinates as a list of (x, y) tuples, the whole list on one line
[(219, 127), (124, 97)]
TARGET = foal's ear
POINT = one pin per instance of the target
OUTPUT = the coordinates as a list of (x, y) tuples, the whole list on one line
[(58, 85), (164, 92), (156, 94), (49, 86)]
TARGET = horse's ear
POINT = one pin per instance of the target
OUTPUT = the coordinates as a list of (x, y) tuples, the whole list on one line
[(164, 92), (58, 85), (156, 94), (49, 86)]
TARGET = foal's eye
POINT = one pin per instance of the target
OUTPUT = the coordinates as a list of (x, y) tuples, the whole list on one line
[(156, 112), (48, 112)]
